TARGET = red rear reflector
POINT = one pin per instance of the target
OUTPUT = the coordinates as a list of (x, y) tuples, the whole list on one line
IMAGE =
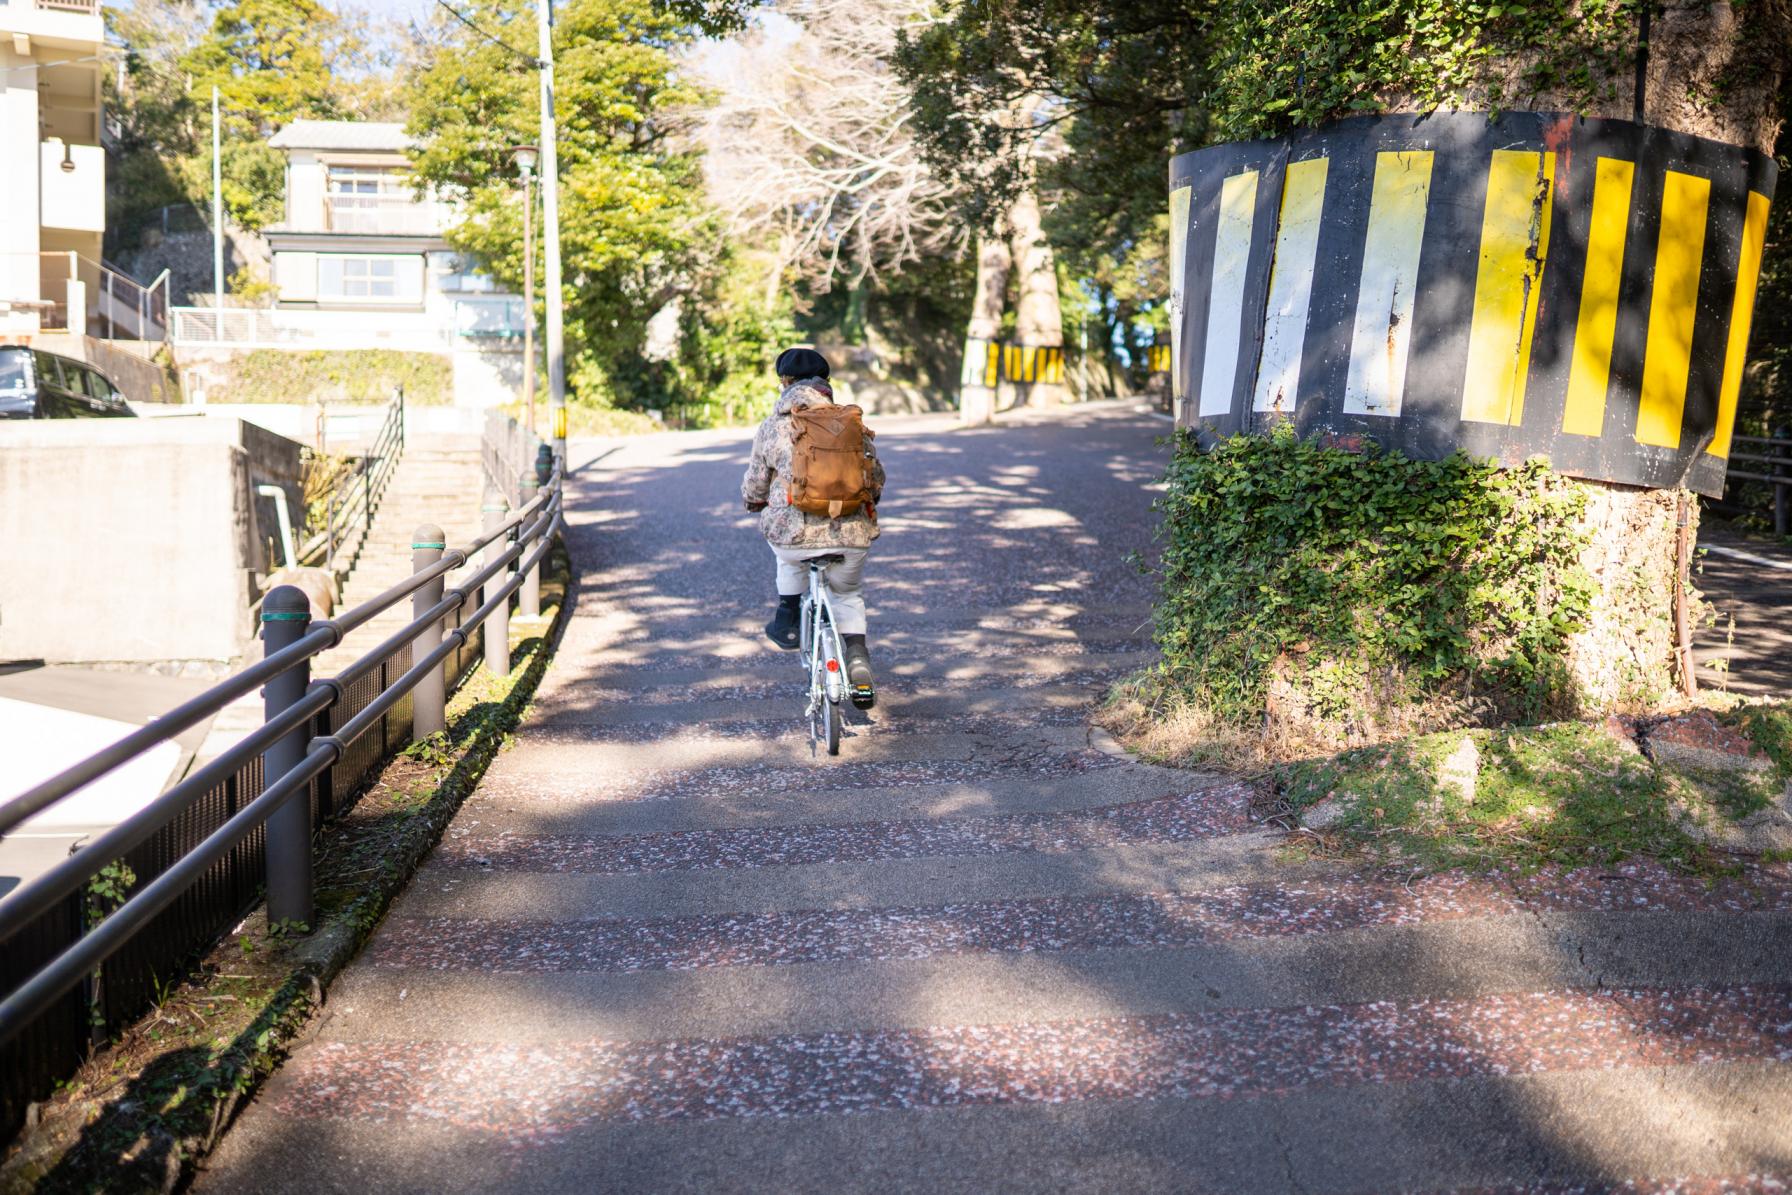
[(833, 665)]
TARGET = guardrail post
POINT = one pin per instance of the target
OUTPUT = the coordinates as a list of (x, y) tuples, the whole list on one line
[(285, 617), (528, 603), (429, 700), (497, 623), (1782, 490)]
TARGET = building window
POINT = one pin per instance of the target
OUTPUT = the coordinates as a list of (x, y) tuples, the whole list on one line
[(369, 278), (369, 180)]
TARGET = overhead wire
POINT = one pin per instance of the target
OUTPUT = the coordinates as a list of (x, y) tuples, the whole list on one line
[(534, 62)]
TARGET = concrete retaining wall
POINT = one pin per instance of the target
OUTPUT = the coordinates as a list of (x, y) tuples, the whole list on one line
[(135, 541)]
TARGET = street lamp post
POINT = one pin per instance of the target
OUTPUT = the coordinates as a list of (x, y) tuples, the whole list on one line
[(525, 157)]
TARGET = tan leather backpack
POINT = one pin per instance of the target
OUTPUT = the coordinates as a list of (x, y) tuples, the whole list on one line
[(827, 461)]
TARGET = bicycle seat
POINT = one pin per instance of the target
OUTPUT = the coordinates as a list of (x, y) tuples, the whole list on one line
[(824, 561)]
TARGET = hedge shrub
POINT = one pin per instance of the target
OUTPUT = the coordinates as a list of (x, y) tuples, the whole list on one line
[(1342, 588)]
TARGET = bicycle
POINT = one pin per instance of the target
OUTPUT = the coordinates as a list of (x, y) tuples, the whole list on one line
[(822, 648)]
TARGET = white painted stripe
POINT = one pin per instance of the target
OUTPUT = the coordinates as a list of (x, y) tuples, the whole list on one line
[(1291, 285), (1225, 309), (1178, 270), (1748, 557), (1383, 330)]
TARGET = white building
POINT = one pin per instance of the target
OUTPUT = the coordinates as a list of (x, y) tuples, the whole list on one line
[(55, 291), (53, 203), (360, 262)]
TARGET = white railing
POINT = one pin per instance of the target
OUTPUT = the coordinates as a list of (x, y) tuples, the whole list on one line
[(258, 327), (90, 7), (494, 318), (397, 214), (113, 306)]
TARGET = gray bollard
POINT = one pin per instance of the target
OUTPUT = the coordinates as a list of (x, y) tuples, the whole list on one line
[(544, 464), (528, 597), (285, 617), (429, 700), (497, 623)]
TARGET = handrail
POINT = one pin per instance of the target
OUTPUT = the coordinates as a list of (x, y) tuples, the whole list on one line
[(535, 525), (366, 485)]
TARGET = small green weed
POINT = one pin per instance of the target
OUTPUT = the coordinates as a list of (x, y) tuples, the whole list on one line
[(1568, 794)]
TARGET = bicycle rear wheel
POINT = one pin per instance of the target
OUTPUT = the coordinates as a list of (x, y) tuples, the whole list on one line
[(834, 721)]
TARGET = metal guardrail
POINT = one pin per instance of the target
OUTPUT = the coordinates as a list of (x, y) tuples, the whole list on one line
[(263, 792), (353, 501), (1774, 456)]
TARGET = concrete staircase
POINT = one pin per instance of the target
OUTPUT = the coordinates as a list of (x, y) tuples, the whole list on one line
[(438, 480)]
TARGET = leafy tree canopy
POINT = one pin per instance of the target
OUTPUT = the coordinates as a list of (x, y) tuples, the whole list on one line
[(635, 232)]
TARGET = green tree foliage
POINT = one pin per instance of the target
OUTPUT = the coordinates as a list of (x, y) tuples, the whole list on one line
[(1120, 78), (273, 61), (1120, 84), (635, 232)]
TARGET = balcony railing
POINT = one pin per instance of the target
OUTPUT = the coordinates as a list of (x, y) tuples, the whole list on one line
[(87, 7), (390, 214), (114, 306)]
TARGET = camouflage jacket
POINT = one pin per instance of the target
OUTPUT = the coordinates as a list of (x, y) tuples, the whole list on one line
[(766, 487)]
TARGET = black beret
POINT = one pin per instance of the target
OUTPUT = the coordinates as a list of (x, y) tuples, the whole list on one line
[(801, 363)]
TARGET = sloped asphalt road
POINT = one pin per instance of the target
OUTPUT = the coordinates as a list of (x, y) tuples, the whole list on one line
[(664, 949)]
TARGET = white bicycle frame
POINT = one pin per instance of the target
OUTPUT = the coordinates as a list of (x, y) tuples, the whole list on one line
[(821, 643)]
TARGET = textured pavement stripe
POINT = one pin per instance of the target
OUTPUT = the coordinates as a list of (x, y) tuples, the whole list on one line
[(1437, 960), (1686, 1184), (865, 746), (899, 661), (1590, 1129), (1204, 814), (789, 726), (534, 805), (731, 687), (542, 1089), (666, 784), (782, 702), (1157, 920), (966, 675)]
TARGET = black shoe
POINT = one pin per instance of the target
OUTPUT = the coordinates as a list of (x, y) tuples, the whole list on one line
[(784, 629), (858, 671)]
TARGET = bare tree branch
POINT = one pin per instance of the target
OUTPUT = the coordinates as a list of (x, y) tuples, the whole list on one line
[(809, 140)]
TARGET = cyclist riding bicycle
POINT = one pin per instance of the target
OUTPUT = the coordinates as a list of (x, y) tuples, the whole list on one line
[(781, 481)]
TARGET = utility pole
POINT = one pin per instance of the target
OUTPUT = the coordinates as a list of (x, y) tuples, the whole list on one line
[(550, 220), (217, 224)]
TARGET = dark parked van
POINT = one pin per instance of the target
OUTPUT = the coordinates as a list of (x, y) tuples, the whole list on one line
[(39, 385)]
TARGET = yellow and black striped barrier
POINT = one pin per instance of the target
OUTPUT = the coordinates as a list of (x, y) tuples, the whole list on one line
[(1537, 284), (987, 362)]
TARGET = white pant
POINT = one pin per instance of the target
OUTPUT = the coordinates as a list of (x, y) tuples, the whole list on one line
[(843, 582)]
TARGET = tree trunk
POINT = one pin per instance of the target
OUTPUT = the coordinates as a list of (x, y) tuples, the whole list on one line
[(976, 394), (1039, 321), (1629, 655)]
